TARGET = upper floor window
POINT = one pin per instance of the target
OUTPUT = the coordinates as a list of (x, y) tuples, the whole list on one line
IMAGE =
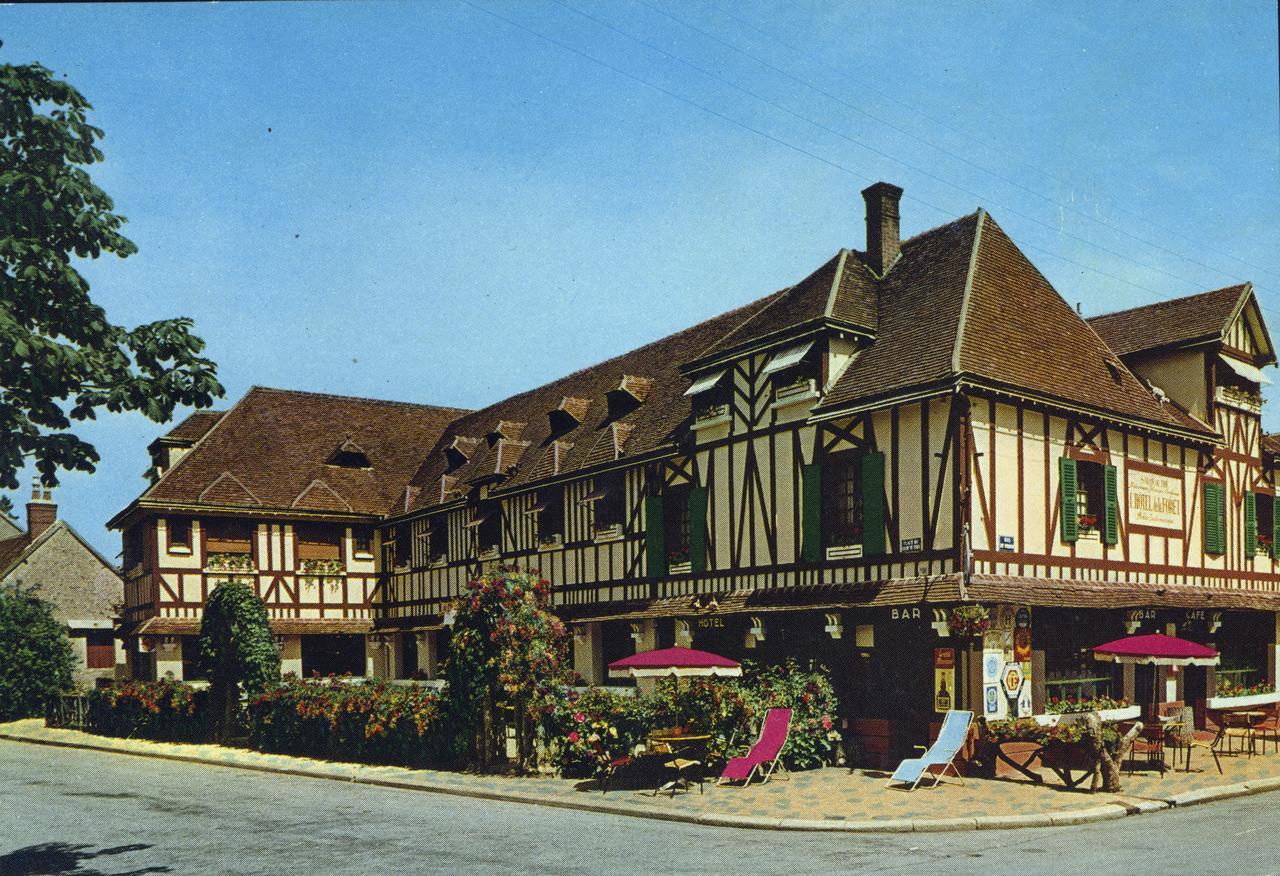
[(710, 395), (179, 529), (842, 499), (362, 541), (1259, 524), (134, 542), (675, 523), (795, 371), (227, 535), (550, 515), (1088, 495), (608, 500), (437, 537), (318, 541), (487, 524)]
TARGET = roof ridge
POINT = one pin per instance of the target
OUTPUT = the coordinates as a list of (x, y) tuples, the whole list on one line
[(359, 398), (968, 290), (1164, 301)]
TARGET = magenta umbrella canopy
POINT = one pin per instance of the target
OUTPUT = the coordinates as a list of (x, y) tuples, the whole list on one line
[(674, 661), (1156, 650)]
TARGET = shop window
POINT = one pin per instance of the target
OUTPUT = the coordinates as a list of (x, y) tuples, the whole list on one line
[(179, 529), (318, 541), (362, 541), (842, 500), (550, 516)]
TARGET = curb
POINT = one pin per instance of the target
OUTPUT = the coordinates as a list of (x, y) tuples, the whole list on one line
[(350, 773)]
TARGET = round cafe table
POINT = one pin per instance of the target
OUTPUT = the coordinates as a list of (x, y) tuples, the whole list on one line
[(686, 753)]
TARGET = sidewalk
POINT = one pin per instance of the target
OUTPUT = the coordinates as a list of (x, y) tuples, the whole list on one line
[(832, 799)]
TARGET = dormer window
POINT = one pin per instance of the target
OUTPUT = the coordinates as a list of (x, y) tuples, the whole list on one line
[(710, 395), (458, 452), (629, 394), (349, 455), (507, 430), (795, 371), (571, 414)]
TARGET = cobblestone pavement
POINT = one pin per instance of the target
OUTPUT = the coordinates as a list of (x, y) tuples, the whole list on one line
[(815, 799)]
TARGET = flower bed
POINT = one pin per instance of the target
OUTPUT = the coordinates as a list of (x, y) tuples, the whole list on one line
[(1070, 705), (594, 727), (1241, 698), (369, 722), (165, 711)]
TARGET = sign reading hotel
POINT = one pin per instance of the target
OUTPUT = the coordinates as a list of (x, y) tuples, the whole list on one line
[(1154, 501)]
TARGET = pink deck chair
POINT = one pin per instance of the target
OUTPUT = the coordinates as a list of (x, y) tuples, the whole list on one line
[(766, 755)]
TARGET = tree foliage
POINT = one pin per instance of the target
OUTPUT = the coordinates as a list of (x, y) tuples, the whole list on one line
[(37, 661), (63, 359), (237, 651)]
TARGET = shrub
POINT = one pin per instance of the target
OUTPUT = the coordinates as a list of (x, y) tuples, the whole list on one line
[(37, 662), (166, 711), (368, 722), (581, 719), (237, 651)]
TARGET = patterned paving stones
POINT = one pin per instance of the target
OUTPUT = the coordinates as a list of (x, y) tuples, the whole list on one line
[(831, 798)]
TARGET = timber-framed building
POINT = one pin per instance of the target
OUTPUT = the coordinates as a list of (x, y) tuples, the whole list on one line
[(831, 471)]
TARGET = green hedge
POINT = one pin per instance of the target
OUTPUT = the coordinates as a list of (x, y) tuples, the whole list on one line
[(165, 711), (364, 721)]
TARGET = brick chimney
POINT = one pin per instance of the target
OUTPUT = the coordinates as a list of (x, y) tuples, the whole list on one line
[(41, 511), (883, 244)]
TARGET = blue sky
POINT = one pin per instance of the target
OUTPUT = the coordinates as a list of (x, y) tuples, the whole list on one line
[(450, 202)]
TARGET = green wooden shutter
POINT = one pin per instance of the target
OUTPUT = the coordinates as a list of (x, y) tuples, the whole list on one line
[(1250, 524), (872, 504), (655, 537), (1214, 538), (1111, 531), (1070, 516), (698, 529), (811, 513), (1275, 527)]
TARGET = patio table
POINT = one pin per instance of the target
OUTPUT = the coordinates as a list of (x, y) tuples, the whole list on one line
[(686, 752)]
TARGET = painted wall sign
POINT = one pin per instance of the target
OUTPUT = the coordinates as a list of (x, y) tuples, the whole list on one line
[(1005, 542), (707, 623), (991, 700), (1012, 678), (944, 678), (905, 614), (1022, 644), (910, 545), (1154, 500)]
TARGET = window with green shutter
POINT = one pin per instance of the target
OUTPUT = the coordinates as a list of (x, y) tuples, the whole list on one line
[(698, 529), (1069, 487), (811, 513), (1214, 512), (655, 542), (1111, 525), (873, 518), (1250, 524)]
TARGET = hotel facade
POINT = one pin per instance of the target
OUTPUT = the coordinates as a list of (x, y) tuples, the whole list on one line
[(843, 471)]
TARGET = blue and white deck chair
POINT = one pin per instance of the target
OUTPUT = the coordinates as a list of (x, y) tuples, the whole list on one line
[(955, 730)]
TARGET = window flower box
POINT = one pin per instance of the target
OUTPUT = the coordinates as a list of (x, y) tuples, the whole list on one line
[(551, 542), (612, 532), (321, 568), (844, 552), (1265, 546), (1243, 702), (437, 562), (682, 568), (488, 553), (712, 415), (1107, 716), (227, 562), (801, 390)]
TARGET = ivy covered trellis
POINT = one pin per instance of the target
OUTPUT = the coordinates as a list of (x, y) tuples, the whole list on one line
[(508, 663)]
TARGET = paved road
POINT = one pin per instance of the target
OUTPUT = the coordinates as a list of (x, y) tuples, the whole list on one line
[(64, 811)]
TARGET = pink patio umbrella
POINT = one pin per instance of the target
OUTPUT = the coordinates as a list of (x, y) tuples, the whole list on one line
[(1154, 650), (678, 662), (675, 662)]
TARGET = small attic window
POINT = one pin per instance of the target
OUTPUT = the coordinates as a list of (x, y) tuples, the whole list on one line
[(628, 395), (349, 455)]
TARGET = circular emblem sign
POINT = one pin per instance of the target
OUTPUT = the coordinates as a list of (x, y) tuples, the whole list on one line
[(1012, 678)]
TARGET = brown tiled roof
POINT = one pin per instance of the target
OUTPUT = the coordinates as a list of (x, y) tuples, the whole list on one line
[(1271, 445), (1181, 320), (11, 549), (1066, 593), (843, 289), (963, 301), (194, 427), (653, 424), (270, 451)]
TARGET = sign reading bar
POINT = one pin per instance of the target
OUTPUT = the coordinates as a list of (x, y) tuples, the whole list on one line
[(1155, 500)]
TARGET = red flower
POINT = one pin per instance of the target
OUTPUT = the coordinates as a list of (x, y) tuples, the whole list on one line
[(573, 736)]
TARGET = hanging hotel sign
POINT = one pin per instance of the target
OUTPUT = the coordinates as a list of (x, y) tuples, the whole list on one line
[(1154, 499)]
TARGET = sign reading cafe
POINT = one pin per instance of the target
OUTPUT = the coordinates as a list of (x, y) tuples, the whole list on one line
[(1154, 500)]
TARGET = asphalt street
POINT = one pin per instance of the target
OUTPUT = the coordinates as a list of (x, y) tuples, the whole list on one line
[(65, 811)]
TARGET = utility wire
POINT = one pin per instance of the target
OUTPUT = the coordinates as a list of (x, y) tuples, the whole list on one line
[(925, 141), (948, 213)]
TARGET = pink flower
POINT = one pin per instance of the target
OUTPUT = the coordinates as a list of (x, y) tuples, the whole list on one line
[(826, 722), (579, 717), (573, 736)]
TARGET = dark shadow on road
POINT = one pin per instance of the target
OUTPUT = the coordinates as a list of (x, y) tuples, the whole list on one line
[(56, 859)]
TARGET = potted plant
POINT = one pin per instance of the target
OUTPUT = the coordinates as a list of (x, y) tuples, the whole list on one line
[(1235, 696), (970, 620)]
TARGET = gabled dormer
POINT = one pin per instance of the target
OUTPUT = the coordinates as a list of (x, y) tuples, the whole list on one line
[(628, 395), (571, 413)]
